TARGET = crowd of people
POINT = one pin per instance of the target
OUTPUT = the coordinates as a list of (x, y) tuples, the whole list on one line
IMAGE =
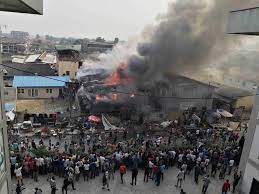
[(90, 159)]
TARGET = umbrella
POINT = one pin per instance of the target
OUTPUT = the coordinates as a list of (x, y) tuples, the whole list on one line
[(94, 119)]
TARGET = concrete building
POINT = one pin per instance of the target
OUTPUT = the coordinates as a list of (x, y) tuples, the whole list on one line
[(19, 35), (5, 178), (96, 46), (12, 46), (68, 62), (21, 6), (245, 21), (37, 87)]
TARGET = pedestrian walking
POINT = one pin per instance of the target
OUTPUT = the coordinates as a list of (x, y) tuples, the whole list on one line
[(134, 175), (122, 171), (226, 187), (53, 185), (146, 173), (18, 173), (180, 177), (206, 182), (106, 180), (237, 177), (65, 185), (197, 172)]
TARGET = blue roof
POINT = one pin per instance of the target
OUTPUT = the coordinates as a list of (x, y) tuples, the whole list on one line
[(39, 81)]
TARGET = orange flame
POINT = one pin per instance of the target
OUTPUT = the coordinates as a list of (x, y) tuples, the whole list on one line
[(115, 78)]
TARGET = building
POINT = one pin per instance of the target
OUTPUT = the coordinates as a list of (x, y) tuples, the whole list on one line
[(12, 46), (248, 85), (21, 6), (68, 62), (19, 35), (245, 21), (98, 45), (5, 178), (38, 87), (25, 69)]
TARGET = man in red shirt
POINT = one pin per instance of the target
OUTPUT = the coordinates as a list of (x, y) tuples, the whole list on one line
[(122, 171), (226, 187)]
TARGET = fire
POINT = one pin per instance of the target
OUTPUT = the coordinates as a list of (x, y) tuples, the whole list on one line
[(118, 76), (132, 95)]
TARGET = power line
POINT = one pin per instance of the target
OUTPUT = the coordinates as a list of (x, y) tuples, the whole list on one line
[(126, 93)]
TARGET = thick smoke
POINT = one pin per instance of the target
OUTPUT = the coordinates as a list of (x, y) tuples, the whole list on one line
[(190, 39), (190, 35)]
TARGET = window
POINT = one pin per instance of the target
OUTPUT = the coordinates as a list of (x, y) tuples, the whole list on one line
[(29, 92), (22, 90), (67, 72), (19, 90), (49, 91)]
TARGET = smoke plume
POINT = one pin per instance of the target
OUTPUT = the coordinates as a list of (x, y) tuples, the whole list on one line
[(189, 39), (190, 35)]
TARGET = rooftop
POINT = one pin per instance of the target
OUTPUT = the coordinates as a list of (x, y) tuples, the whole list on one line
[(22, 69), (39, 81)]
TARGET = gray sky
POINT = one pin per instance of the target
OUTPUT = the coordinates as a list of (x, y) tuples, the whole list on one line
[(88, 18)]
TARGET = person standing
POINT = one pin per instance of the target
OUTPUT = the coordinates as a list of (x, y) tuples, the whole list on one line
[(230, 166), (225, 187), (65, 184), (86, 171), (18, 173), (206, 182), (146, 173), (158, 177), (122, 171), (71, 177), (180, 177), (53, 185), (106, 180), (197, 172), (134, 175), (237, 177), (77, 172)]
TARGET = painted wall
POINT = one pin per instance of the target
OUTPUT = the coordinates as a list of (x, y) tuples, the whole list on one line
[(42, 93), (64, 66), (10, 94)]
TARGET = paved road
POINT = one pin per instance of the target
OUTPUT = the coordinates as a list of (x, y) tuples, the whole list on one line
[(94, 186)]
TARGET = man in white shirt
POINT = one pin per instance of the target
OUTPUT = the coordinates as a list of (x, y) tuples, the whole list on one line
[(230, 166), (180, 177), (18, 173)]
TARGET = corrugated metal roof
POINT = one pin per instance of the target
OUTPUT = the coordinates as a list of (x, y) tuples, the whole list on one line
[(32, 58), (38, 81)]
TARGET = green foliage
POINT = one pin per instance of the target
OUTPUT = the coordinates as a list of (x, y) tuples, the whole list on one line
[(40, 151)]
